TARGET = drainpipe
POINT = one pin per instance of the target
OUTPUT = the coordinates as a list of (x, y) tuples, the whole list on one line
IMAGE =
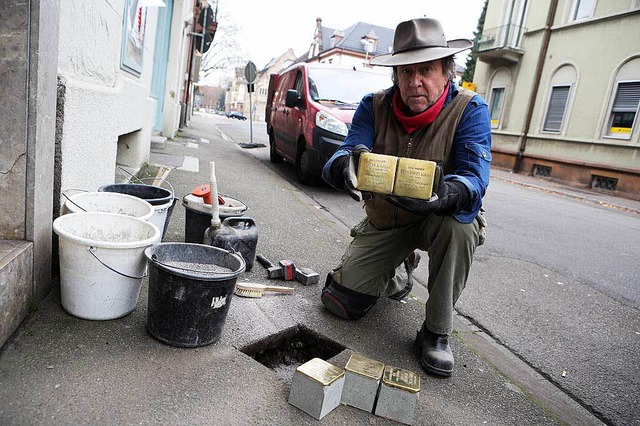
[(187, 90), (536, 83)]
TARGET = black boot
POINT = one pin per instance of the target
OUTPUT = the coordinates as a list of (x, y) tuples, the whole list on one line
[(434, 352)]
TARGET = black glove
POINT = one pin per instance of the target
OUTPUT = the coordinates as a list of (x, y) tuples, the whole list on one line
[(450, 197), (344, 171)]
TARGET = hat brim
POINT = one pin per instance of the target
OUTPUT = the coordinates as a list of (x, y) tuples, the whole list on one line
[(417, 56)]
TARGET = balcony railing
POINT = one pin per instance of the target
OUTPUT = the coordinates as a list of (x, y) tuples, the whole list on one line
[(503, 42), (506, 36)]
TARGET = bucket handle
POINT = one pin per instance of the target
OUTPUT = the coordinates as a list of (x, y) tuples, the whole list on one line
[(163, 180), (92, 249), (64, 194), (141, 180), (155, 259)]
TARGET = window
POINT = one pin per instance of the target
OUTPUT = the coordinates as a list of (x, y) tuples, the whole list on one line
[(604, 182), (556, 109), (513, 19), (500, 81), (624, 110), (558, 102), (582, 9), (541, 171), (497, 97)]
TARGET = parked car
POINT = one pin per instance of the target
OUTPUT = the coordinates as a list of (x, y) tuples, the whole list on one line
[(235, 114), (309, 111)]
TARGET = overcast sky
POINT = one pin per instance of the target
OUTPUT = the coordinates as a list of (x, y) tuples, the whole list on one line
[(268, 28)]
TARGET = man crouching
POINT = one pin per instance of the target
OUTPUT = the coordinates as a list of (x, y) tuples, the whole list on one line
[(424, 115)]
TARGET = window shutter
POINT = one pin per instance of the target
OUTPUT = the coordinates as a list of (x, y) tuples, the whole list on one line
[(627, 97), (557, 107)]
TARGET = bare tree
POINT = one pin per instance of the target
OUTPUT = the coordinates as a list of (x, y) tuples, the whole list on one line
[(225, 54)]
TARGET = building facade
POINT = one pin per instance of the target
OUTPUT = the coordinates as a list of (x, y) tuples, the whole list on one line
[(562, 80), (261, 85), (85, 85), (353, 46)]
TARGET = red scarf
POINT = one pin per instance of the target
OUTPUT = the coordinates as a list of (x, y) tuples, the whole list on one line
[(412, 122)]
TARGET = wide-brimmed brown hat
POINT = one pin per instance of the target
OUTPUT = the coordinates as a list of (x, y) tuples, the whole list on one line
[(420, 40)]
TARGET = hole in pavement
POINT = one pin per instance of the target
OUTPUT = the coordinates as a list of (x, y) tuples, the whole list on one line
[(285, 351)]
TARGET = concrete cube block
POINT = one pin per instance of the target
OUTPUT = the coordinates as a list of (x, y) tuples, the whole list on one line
[(399, 393), (361, 381), (316, 387)]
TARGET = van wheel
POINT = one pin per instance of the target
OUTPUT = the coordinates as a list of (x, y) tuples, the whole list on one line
[(302, 169), (273, 155)]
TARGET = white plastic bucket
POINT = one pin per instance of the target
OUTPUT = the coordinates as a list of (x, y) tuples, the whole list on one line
[(110, 202), (102, 262)]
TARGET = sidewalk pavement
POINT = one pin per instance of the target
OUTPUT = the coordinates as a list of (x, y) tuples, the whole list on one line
[(587, 195), (59, 369)]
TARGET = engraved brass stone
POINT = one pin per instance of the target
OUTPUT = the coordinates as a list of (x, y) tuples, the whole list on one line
[(365, 366), (414, 178), (376, 173), (321, 371), (402, 379)]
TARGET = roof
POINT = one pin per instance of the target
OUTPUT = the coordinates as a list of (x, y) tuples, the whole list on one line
[(353, 34)]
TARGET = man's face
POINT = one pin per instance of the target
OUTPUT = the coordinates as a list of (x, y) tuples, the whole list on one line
[(421, 85)]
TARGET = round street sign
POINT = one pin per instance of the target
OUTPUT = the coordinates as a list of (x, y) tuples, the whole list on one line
[(250, 72)]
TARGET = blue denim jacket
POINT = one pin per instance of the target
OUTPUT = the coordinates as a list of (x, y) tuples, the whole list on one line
[(471, 148)]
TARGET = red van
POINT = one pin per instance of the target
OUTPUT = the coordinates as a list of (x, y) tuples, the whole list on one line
[(309, 111)]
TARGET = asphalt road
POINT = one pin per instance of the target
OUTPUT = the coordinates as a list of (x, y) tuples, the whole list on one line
[(556, 283)]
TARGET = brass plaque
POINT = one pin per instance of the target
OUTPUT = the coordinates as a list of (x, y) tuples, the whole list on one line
[(414, 178), (321, 371), (404, 177), (376, 173), (403, 379), (365, 366)]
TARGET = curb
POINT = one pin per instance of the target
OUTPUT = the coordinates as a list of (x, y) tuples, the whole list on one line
[(587, 199)]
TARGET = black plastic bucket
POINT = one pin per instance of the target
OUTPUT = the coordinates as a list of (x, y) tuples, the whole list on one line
[(195, 224), (189, 293), (154, 195)]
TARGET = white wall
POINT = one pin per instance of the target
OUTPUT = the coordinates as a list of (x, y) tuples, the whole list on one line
[(102, 101)]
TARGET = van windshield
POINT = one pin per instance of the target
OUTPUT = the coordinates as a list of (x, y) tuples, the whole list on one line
[(344, 86)]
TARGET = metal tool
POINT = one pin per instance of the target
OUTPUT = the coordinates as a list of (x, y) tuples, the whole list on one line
[(307, 276), (288, 270), (273, 271)]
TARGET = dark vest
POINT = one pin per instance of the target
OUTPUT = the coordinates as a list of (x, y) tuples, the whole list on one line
[(432, 142)]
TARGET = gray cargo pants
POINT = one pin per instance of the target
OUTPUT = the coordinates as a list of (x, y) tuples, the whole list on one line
[(372, 262)]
